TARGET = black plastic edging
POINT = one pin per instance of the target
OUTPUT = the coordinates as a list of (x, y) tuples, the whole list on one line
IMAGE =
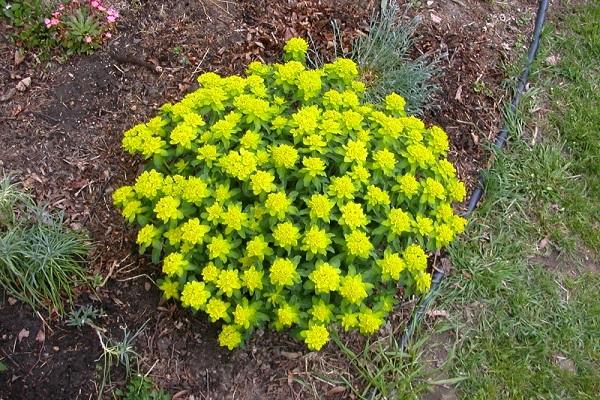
[(475, 197)]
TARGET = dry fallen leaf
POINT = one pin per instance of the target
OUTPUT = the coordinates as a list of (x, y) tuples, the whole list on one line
[(552, 59), (335, 390), (12, 301), (180, 394), (435, 18), (23, 334), (438, 313), (290, 355), (41, 336), (19, 57)]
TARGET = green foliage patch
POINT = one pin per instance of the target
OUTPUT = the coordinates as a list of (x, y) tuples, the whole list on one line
[(73, 26)]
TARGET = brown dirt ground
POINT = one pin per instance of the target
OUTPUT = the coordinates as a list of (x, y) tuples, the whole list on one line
[(61, 138)]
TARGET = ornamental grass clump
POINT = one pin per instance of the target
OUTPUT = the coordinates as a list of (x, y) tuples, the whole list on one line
[(42, 261), (282, 199)]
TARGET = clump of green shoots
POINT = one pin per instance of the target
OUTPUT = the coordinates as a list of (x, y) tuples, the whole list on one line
[(84, 315), (140, 387), (41, 259), (118, 352)]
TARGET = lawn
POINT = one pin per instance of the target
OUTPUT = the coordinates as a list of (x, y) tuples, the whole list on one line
[(522, 298)]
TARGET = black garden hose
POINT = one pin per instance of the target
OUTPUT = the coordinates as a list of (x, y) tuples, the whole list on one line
[(475, 197)]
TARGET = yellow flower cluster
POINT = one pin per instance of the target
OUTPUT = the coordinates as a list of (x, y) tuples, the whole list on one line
[(283, 199)]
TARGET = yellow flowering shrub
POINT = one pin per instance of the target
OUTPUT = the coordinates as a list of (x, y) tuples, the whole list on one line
[(283, 199)]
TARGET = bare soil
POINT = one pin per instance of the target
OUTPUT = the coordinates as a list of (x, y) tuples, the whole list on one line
[(61, 137)]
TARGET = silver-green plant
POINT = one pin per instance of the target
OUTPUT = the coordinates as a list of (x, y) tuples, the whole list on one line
[(117, 353), (385, 61), (84, 315), (41, 259)]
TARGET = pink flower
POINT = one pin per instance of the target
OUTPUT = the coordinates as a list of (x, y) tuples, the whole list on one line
[(113, 12), (94, 3), (56, 14), (61, 7), (108, 35), (54, 21), (111, 18), (47, 22), (88, 39), (101, 8)]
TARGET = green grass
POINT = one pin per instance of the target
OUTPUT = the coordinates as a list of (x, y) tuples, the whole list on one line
[(385, 371), (530, 327), (576, 96)]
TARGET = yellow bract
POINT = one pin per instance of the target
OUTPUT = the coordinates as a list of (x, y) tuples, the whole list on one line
[(282, 198)]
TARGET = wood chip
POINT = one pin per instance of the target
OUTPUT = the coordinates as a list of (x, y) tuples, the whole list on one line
[(23, 84), (458, 95), (5, 97)]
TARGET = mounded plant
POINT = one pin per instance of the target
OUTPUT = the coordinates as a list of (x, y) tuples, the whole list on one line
[(283, 199)]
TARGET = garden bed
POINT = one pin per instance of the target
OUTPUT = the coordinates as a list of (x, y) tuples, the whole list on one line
[(61, 137)]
